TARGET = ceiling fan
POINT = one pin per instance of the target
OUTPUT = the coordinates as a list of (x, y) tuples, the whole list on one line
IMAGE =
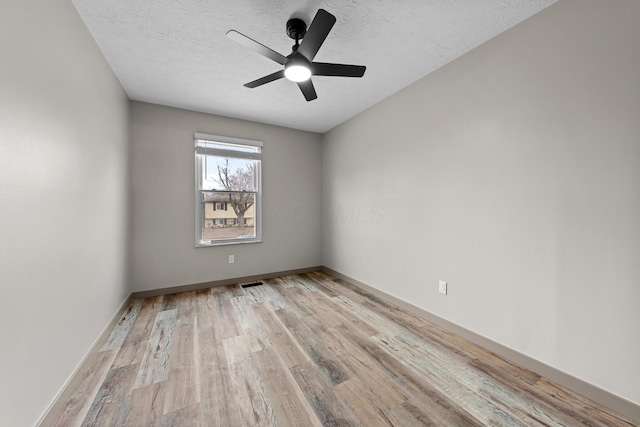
[(299, 65)]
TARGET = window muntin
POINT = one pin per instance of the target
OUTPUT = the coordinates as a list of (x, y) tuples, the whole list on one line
[(228, 197)]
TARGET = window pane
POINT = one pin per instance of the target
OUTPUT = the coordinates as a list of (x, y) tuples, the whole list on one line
[(227, 190), (236, 221), (229, 174)]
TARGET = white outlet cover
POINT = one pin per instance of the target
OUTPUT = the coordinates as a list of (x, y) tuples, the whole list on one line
[(231, 259), (442, 287)]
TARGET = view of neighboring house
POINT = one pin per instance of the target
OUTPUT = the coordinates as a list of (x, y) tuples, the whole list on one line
[(219, 212)]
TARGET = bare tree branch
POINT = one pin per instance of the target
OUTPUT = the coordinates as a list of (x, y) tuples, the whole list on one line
[(239, 182)]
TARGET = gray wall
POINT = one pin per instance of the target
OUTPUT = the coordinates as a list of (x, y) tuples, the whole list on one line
[(163, 206), (63, 201), (513, 173)]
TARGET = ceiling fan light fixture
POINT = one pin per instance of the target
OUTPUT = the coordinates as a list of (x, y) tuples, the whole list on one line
[(297, 72)]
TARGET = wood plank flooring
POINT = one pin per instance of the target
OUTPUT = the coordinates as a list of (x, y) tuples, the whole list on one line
[(306, 350)]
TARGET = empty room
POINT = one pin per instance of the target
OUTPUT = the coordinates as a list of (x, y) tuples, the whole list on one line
[(320, 213)]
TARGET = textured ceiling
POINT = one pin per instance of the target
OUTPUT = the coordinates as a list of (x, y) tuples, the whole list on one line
[(175, 52)]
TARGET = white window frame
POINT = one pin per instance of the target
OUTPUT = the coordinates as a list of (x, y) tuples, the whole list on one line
[(200, 153)]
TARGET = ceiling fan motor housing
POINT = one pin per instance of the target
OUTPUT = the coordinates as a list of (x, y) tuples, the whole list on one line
[(296, 28)]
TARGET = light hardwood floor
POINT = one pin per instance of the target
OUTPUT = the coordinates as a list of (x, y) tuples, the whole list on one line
[(306, 350)]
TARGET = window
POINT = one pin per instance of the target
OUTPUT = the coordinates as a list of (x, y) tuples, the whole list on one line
[(228, 190)]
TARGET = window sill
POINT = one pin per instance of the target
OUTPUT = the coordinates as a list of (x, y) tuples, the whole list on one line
[(227, 242)]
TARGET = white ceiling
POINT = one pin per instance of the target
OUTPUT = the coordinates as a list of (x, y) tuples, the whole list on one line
[(175, 52)]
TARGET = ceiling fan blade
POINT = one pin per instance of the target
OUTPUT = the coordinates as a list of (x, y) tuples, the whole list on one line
[(316, 34), (341, 70), (258, 47), (266, 79), (308, 90)]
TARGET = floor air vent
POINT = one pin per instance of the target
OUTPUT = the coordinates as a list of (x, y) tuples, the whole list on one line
[(251, 285)]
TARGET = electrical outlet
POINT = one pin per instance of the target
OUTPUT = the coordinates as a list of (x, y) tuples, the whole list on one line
[(442, 287), (232, 259)]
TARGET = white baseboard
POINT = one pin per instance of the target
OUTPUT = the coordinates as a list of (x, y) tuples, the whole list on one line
[(85, 364), (224, 282), (603, 397), (87, 361), (598, 395)]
